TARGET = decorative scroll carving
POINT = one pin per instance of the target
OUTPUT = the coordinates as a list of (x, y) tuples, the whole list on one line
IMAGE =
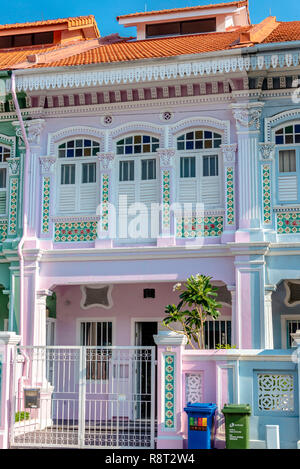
[(106, 160)]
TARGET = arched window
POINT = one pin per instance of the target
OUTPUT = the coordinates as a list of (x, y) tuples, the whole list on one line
[(77, 176), (137, 144), (5, 153), (198, 167), (137, 173), (287, 141)]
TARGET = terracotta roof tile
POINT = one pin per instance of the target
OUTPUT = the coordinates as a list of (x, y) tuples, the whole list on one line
[(71, 22), (238, 4), (285, 32), (152, 48)]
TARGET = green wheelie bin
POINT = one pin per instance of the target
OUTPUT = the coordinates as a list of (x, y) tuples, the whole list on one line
[(237, 425)]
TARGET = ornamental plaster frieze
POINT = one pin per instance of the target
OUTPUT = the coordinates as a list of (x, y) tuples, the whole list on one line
[(247, 115), (266, 150), (33, 129), (124, 74)]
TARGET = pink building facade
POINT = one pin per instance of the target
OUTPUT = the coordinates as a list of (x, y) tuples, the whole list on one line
[(195, 139)]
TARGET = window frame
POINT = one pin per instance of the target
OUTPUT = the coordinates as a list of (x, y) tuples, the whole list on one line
[(282, 147), (78, 162), (4, 165), (199, 159), (86, 320)]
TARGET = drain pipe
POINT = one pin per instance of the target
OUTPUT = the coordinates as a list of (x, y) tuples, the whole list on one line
[(25, 204)]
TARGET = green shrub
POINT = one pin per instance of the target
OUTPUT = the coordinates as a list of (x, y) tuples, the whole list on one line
[(20, 416)]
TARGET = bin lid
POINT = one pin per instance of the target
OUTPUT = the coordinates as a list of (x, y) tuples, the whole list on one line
[(236, 409), (200, 407)]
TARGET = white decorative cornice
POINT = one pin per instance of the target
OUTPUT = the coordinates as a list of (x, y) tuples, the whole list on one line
[(9, 338), (47, 163), (272, 123), (247, 115), (14, 166), (266, 150), (229, 152), (122, 73), (106, 160), (75, 131), (196, 123), (33, 129), (166, 156)]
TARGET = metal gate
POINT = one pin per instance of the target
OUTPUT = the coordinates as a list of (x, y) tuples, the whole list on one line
[(80, 396)]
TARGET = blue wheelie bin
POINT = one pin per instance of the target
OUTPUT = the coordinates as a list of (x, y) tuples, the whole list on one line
[(200, 424)]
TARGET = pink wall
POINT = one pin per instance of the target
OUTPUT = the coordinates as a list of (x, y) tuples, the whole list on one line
[(128, 303)]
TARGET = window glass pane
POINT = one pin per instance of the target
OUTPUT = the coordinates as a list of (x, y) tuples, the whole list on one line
[(126, 171), (287, 161), (68, 174), (4, 153), (78, 148), (187, 167), (198, 140), (2, 178), (206, 166), (89, 172)]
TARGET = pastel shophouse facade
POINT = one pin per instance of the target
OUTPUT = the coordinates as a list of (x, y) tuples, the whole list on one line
[(154, 159)]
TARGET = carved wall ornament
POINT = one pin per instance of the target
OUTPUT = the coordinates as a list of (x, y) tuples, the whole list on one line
[(47, 163), (267, 150), (106, 160), (166, 156), (247, 118), (14, 166), (33, 129), (229, 152)]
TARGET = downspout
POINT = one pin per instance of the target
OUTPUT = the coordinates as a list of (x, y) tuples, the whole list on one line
[(25, 203)]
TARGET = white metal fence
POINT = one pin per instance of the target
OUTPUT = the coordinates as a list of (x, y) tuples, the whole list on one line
[(86, 397)]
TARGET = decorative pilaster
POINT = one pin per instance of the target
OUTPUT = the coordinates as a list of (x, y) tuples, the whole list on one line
[(229, 152), (268, 316), (166, 159), (170, 347), (266, 154), (33, 130), (46, 165), (106, 224), (8, 342), (235, 320), (14, 181), (248, 117)]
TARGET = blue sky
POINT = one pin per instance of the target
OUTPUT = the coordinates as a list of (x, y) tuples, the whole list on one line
[(106, 11)]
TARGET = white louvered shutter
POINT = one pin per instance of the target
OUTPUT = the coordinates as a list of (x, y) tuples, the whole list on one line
[(67, 198), (287, 188), (88, 197), (210, 190)]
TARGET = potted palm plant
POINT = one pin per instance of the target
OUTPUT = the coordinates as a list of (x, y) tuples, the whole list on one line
[(197, 303)]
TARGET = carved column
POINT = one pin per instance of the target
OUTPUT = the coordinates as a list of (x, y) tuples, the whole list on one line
[(248, 117), (266, 169), (167, 182), (107, 211), (229, 152), (33, 129), (47, 163)]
